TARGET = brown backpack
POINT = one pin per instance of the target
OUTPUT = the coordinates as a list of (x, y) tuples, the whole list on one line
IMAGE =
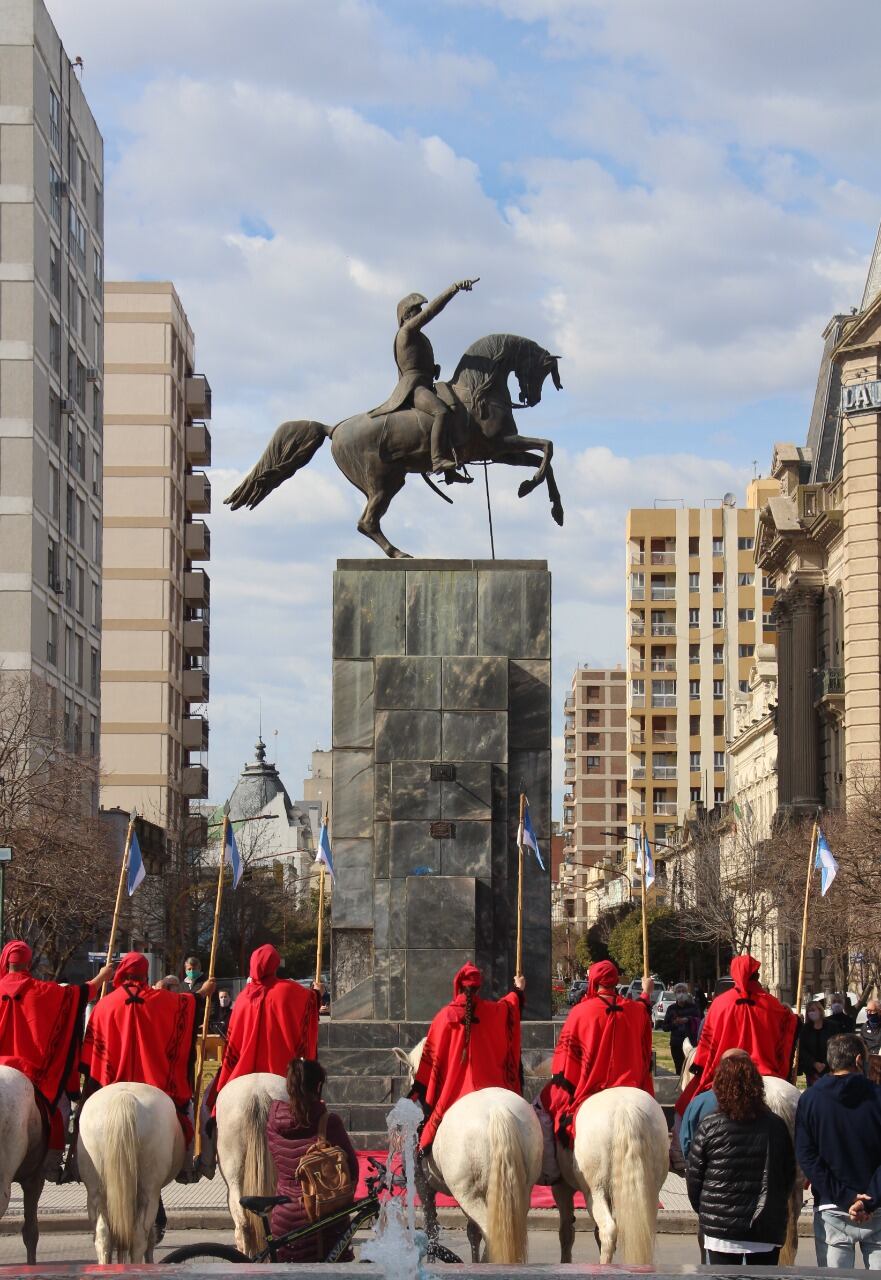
[(324, 1177)]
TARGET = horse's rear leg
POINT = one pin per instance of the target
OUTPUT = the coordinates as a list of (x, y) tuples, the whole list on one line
[(606, 1226), (103, 1241), (475, 1239), (377, 505), (30, 1231), (564, 1199)]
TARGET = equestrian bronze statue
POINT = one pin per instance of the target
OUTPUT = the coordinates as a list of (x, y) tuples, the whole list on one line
[(425, 426)]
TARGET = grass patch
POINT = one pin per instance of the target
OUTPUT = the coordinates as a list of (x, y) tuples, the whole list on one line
[(661, 1046)]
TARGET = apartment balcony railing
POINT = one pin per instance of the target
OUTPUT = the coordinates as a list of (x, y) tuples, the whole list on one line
[(569, 702), (828, 684), (196, 635), (568, 798), (637, 557), (197, 588), (194, 733), (197, 393), (663, 557), (198, 491), (197, 540), (637, 737), (663, 699), (637, 773), (637, 699), (663, 593), (637, 593), (194, 683), (663, 629), (569, 746), (637, 628), (194, 781), (665, 736), (637, 664), (664, 808), (198, 445), (663, 664), (638, 810), (569, 771), (664, 772)]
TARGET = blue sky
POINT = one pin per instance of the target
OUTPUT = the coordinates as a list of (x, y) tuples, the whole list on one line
[(675, 197)]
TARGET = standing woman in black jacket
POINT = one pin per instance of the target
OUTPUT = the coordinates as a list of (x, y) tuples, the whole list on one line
[(741, 1169)]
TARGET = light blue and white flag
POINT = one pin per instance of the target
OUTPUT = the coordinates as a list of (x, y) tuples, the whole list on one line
[(324, 854), (137, 872), (526, 837), (231, 855), (645, 852), (825, 863)]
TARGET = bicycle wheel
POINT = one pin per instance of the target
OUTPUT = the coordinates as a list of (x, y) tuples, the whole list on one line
[(205, 1253), (440, 1253)]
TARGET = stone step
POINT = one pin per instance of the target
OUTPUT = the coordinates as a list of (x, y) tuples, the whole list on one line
[(342, 1090), (370, 1139), (360, 1062), (358, 1034)]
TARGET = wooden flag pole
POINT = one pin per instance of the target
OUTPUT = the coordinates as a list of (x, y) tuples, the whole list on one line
[(518, 968), (200, 1060), (123, 870), (319, 945), (646, 972), (804, 920)]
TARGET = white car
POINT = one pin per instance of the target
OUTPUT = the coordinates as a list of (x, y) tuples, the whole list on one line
[(659, 1010)]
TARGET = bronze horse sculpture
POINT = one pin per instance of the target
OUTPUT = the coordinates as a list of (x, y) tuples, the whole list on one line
[(377, 453)]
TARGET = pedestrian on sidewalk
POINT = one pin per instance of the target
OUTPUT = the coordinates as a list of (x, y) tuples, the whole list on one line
[(682, 1020), (813, 1039), (741, 1170), (870, 1034), (838, 1143)]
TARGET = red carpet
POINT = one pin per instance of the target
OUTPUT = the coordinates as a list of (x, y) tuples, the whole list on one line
[(541, 1196)]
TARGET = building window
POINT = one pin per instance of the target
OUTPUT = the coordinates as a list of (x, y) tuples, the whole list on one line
[(94, 672), (745, 650), (694, 689), (52, 639), (68, 652), (81, 591), (718, 688), (93, 735), (694, 582), (743, 686), (80, 458), (718, 726), (718, 618), (54, 195), (84, 177), (96, 606), (71, 373), (592, 762), (97, 272), (694, 761), (694, 617), (67, 721), (694, 546), (81, 385), (694, 726), (54, 492), (745, 544), (70, 512), (81, 315), (55, 345), (719, 795), (99, 207), (80, 664), (768, 587), (718, 653), (52, 564), (746, 615), (745, 579), (68, 583), (718, 760), (718, 546), (54, 119), (96, 539), (55, 419), (97, 423), (694, 654), (718, 583), (81, 521), (637, 688), (695, 795), (54, 270)]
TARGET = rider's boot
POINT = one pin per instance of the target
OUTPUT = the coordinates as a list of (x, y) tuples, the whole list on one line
[(441, 460)]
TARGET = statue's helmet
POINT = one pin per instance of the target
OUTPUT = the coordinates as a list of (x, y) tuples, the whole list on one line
[(407, 304)]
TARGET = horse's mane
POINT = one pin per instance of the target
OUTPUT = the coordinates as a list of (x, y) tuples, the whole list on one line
[(480, 365)]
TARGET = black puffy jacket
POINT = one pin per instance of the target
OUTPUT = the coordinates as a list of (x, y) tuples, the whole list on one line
[(740, 1177)]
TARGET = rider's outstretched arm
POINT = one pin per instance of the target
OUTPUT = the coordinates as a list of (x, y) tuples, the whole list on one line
[(433, 308)]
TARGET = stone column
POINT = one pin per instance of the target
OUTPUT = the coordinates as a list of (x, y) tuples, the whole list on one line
[(783, 627), (804, 768)]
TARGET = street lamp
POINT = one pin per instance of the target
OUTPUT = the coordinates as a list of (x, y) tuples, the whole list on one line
[(5, 856)]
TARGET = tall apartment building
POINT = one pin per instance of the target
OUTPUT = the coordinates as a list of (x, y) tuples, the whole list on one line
[(696, 609), (595, 800), (154, 668), (51, 268)]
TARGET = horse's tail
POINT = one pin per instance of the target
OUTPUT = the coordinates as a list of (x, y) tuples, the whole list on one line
[(292, 446), (120, 1172), (507, 1192), (634, 1193), (782, 1103), (258, 1171)]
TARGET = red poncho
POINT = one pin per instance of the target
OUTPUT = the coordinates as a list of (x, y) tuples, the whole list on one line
[(273, 1021), (41, 1026), (456, 1060), (140, 1034), (746, 1017), (606, 1043)]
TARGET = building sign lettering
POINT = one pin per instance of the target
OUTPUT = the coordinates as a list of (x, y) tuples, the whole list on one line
[(861, 397)]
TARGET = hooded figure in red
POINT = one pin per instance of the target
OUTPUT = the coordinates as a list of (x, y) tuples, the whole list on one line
[(41, 1025), (472, 1044), (745, 1017), (606, 1043), (272, 1021), (141, 1034)]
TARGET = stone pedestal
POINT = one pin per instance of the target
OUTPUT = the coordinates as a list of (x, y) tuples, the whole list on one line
[(441, 710)]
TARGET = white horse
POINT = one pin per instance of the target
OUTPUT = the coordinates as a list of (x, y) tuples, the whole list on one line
[(23, 1151), (242, 1150), (619, 1159), (130, 1146), (487, 1155)]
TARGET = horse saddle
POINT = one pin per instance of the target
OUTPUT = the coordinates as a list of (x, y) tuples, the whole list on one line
[(459, 425)]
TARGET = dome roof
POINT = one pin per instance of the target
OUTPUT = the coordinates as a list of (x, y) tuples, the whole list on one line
[(258, 786)]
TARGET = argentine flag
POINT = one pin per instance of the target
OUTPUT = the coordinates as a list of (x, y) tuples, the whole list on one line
[(526, 837), (231, 855), (825, 863), (324, 854), (136, 870), (645, 852)]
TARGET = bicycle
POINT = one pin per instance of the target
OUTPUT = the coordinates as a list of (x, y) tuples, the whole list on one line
[(359, 1214)]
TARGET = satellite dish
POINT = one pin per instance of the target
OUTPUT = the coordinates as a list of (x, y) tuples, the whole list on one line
[(729, 500)]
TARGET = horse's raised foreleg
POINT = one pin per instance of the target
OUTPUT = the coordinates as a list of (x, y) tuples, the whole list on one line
[(32, 1189), (564, 1199), (533, 460), (521, 444), (377, 505)]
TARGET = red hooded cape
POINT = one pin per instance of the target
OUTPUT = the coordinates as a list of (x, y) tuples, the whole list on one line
[(457, 1059), (606, 1043), (746, 1017), (41, 1026), (140, 1034), (273, 1021)]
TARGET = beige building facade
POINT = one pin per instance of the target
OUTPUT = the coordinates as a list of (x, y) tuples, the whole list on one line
[(595, 799), (51, 318), (154, 671), (696, 610)]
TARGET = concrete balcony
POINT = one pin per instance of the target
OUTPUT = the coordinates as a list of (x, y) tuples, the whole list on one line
[(568, 746), (664, 772), (196, 635), (637, 699), (194, 733), (666, 736), (198, 491), (663, 557), (637, 593), (198, 444), (663, 699), (197, 540), (664, 808), (637, 773), (829, 687), (194, 782), (663, 664), (195, 685), (197, 393), (663, 593), (197, 588)]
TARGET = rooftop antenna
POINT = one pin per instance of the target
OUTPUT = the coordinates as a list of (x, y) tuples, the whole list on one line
[(755, 469)]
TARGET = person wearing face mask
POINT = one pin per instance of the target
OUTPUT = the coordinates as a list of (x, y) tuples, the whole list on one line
[(870, 1034), (682, 1020), (192, 972), (840, 1022), (812, 1041)]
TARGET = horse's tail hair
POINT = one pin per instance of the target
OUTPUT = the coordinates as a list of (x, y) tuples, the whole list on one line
[(120, 1172), (507, 1192), (634, 1194), (258, 1171), (293, 445)]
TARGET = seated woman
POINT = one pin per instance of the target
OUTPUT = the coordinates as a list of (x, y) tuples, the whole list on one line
[(292, 1128)]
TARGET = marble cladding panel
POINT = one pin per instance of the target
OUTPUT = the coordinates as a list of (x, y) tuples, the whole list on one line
[(441, 912), (382, 782), (529, 720), (397, 925), (397, 980), (381, 914), (353, 890), (408, 735), (353, 703), (352, 794), (502, 904), (381, 850), (413, 793), (469, 852), (475, 735), (532, 769), (413, 846), (475, 684), (441, 612), (469, 794), (409, 683), (380, 985), (369, 613), (351, 960), (514, 613), (430, 974)]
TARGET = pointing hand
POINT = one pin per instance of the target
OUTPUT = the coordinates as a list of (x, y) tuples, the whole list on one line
[(467, 285)]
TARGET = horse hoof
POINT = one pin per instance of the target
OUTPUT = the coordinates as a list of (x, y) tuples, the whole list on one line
[(396, 554), (557, 513), (525, 488)]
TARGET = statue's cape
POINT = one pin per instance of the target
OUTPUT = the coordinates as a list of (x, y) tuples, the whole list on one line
[(40, 1032), (273, 1021), (401, 397), (144, 1035)]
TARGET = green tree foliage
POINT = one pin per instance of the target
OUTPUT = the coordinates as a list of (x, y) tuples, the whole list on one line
[(625, 942)]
